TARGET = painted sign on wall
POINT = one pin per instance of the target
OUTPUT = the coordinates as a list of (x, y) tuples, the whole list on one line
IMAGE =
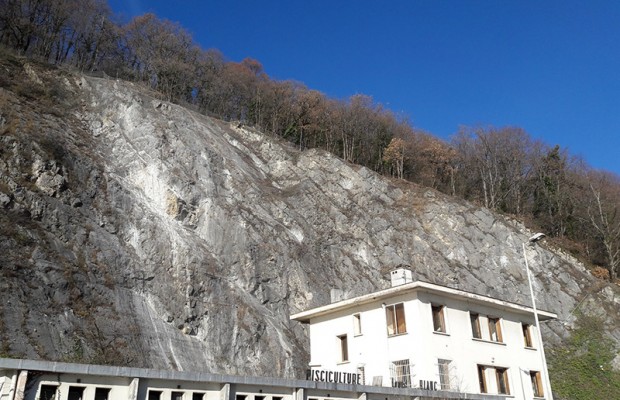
[(334, 377)]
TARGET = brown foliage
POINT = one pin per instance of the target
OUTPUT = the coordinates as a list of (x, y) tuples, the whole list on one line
[(503, 168), (600, 273)]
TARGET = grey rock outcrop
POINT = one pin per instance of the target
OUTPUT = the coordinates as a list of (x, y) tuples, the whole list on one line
[(137, 232)]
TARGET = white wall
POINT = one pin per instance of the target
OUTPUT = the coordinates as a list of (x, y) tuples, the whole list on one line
[(375, 350), (7, 380), (119, 387)]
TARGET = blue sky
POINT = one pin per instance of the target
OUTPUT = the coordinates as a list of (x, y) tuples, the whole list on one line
[(550, 67)]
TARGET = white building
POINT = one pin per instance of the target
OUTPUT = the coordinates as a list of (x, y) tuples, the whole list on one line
[(44, 380), (414, 341), (426, 336)]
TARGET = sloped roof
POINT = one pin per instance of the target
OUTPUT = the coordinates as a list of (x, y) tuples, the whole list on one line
[(420, 286)]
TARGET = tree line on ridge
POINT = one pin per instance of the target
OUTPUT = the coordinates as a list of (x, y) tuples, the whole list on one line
[(502, 168)]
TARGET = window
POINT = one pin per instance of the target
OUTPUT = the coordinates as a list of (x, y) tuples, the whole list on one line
[(344, 348), (75, 393), (395, 315), (527, 335), (361, 371), (357, 324), (154, 394), (259, 397), (439, 323), (482, 378), (444, 373), (502, 380), (198, 396), (475, 325), (495, 329), (176, 396), (102, 393), (241, 397), (48, 392), (401, 374), (537, 384)]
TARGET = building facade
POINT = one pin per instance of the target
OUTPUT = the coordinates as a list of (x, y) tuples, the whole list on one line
[(422, 335), (43, 380), (413, 341)]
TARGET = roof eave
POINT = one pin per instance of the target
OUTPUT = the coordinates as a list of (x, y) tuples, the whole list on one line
[(305, 316)]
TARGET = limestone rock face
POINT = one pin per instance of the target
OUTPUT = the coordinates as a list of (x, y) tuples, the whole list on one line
[(136, 232)]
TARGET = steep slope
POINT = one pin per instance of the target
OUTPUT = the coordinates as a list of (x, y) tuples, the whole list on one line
[(136, 232)]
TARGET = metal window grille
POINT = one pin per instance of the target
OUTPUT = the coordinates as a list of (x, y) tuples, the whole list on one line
[(400, 372), (444, 374), (361, 371)]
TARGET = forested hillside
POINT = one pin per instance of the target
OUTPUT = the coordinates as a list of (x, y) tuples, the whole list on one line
[(502, 168)]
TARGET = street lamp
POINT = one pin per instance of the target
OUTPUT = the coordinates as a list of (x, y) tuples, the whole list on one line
[(537, 237)]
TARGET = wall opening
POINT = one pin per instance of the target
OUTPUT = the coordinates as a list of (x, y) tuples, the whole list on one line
[(48, 392), (75, 393), (102, 393)]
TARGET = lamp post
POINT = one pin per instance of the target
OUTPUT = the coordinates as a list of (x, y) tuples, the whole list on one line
[(532, 240)]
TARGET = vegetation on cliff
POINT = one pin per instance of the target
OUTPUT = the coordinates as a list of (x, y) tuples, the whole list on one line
[(503, 168), (582, 368)]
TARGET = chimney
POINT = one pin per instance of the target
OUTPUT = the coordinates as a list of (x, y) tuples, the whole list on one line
[(400, 276), (336, 295)]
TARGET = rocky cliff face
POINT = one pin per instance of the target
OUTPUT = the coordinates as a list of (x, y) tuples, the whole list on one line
[(136, 232)]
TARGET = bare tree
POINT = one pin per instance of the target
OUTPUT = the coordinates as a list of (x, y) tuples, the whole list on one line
[(20, 22), (162, 54), (554, 191), (394, 155), (497, 164), (604, 215), (94, 34)]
